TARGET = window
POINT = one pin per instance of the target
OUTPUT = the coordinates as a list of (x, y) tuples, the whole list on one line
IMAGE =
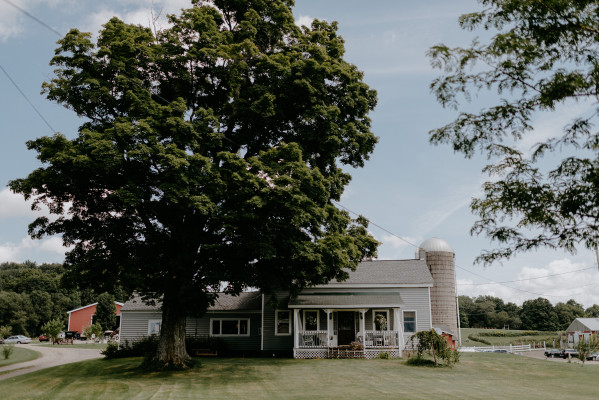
[(282, 322), (380, 320), (154, 326), (409, 321), (230, 327), (311, 320)]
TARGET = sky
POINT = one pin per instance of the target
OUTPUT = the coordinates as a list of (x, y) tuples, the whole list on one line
[(410, 190)]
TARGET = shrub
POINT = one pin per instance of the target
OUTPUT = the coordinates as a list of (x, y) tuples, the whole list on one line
[(111, 350), (384, 355), (475, 338), (7, 350), (436, 345), (356, 346)]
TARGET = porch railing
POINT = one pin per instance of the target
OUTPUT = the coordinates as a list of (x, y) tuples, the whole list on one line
[(313, 339), (381, 339)]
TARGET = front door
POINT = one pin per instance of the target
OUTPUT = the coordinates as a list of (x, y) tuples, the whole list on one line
[(346, 327)]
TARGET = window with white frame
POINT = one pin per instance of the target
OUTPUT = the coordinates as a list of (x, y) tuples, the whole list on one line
[(409, 321), (282, 322), (311, 320), (154, 326), (380, 320), (229, 327)]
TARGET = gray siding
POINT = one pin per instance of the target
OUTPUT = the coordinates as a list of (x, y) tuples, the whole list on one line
[(200, 327), (417, 299), (134, 325), (274, 342)]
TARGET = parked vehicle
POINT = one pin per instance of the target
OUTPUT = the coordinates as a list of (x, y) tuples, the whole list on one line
[(553, 353), (569, 352), (593, 356), (18, 339), (43, 338)]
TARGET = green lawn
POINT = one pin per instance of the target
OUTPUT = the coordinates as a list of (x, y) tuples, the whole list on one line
[(19, 354), (477, 376), (505, 341)]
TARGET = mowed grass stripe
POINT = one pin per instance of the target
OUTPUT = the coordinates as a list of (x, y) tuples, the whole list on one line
[(477, 376)]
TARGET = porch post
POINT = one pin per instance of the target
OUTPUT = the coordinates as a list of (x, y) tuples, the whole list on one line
[(363, 325), (399, 329), (296, 325), (328, 312)]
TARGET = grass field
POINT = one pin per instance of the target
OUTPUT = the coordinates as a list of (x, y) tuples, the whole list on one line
[(504, 341), (19, 354), (477, 376)]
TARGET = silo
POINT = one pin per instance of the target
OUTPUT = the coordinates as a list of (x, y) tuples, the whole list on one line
[(440, 259)]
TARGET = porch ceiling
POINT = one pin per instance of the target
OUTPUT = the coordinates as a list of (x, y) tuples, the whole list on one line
[(347, 300)]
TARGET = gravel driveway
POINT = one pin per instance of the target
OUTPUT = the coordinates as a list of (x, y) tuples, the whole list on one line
[(51, 357)]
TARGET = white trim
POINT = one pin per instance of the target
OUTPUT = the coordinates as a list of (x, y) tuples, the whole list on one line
[(371, 285), (277, 311), (317, 320), (403, 321), (150, 322), (348, 307), (230, 334), (69, 323), (387, 317), (430, 309)]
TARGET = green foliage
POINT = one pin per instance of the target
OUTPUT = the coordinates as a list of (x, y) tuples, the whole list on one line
[(541, 56), (7, 350), (53, 328), (106, 311), (385, 355), (212, 151), (94, 331), (436, 345), (5, 331), (111, 350), (539, 315), (479, 339)]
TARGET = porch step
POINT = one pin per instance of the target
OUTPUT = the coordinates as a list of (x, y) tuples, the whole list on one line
[(338, 352)]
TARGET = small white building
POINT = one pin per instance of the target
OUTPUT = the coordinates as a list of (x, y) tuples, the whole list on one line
[(581, 328)]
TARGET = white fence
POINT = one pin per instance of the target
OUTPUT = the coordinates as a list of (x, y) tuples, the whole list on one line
[(509, 349)]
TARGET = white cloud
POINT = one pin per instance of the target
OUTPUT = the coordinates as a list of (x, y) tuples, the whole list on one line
[(393, 248), (304, 20), (555, 281), (13, 205), (47, 250)]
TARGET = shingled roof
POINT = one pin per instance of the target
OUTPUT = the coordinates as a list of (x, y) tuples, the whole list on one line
[(397, 272), (225, 302)]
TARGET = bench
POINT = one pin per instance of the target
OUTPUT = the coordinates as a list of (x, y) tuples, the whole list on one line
[(204, 353)]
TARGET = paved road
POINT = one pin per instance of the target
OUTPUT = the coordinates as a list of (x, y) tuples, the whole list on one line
[(51, 357)]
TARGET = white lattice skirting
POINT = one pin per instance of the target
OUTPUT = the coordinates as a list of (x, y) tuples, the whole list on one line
[(310, 353), (323, 353)]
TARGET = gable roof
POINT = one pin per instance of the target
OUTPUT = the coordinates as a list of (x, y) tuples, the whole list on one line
[(584, 324), (388, 272), (225, 302), (118, 303)]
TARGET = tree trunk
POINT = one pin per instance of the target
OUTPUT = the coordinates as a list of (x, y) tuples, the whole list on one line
[(171, 347)]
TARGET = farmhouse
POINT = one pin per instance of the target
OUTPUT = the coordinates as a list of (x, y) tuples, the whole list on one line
[(581, 329), (82, 317), (376, 310)]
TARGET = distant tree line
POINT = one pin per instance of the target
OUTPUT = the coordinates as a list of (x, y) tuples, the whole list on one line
[(31, 295), (538, 314)]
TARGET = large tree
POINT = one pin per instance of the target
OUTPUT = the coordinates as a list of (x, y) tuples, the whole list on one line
[(211, 153), (540, 55)]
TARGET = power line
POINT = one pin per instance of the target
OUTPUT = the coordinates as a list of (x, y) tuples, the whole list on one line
[(378, 226), (27, 99), (39, 21), (527, 279)]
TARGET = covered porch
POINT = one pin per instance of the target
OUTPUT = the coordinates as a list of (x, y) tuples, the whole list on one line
[(342, 325)]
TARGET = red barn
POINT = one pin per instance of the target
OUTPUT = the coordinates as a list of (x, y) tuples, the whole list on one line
[(82, 317)]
